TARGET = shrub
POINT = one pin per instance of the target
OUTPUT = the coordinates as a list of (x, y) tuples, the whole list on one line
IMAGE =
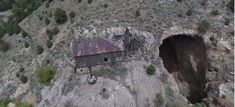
[(189, 12), (4, 102), (55, 31), (49, 44), (6, 4), (24, 34), (47, 21), (230, 5), (4, 46), (203, 26), (23, 79), (159, 101), (60, 16), (151, 69), (45, 74), (39, 50), (227, 21), (2, 32), (89, 1), (214, 12), (72, 14), (179, 0), (26, 44), (137, 13)]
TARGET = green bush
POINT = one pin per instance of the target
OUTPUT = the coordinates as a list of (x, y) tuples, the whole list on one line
[(151, 69), (45, 74), (2, 32), (23, 79), (227, 21), (203, 26), (4, 102), (60, 16), (72, 14), (49, 44), (189, 12), (47, 21), (159, 100), (26, 44), (214, 12), (39, 50), (4, 46), (230, 5)]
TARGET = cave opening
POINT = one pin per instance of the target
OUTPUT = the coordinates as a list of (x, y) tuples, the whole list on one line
[(185, 58)]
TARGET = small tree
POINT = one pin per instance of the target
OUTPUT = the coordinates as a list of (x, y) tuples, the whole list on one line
[(151, 69), (60, 16)]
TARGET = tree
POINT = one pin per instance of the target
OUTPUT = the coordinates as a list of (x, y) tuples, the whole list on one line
[(49, 44), (60, 16), (39, 50)]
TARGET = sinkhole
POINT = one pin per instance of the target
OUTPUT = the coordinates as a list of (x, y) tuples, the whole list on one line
[(185, 58)]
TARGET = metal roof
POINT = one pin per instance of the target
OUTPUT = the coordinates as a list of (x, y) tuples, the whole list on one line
[(95, 46)]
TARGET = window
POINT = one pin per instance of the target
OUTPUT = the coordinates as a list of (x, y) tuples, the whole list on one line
[(105, 59)]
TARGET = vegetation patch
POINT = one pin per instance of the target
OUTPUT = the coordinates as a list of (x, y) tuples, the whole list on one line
[(151, 69), (26, 44), (230, 5), (4, 46), (203, 26), (52, 32), (49, 44), (227, 21), (214, 12), (23, 79), (189, 12), (60, 16), (72, 15), (39, 50), (45, 74), (159, 100), (116, 70), (4, 102)]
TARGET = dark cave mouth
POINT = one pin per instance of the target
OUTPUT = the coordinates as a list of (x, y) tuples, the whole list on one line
[(186, 59)]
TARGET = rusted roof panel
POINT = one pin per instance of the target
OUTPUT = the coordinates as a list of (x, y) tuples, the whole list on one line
[(95, 46)]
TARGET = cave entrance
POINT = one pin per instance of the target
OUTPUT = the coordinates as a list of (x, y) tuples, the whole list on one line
[(186, 59)]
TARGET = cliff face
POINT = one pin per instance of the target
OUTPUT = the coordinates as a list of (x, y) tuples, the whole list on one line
[(186, 59)]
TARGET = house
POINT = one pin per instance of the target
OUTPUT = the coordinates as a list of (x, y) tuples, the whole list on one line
[(97, 51)]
